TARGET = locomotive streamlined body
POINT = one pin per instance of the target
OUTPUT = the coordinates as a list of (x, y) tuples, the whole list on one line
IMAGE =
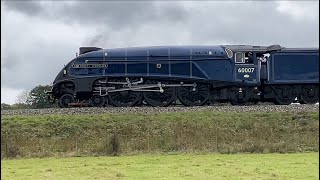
[(192, 75)]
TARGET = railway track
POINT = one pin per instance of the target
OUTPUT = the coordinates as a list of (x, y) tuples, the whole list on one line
[(155, 110)]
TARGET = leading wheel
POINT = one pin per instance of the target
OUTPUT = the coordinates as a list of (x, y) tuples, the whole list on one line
[(195, 95), (65, 100)]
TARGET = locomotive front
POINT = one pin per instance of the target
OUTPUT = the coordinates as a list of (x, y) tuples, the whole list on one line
[(64, 81), (55, 92)]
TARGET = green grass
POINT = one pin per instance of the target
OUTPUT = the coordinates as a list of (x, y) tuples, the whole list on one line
[(201, 131), (304, 166)]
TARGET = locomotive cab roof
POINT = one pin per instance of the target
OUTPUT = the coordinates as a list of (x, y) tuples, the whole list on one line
[(247, 48), (254, 48)]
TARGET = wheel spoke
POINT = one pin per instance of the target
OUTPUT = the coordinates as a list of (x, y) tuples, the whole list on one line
[(65, 100), (184, 93), (194, 98), (157, 98), (123, 98), (97, 101), (203, 94), (116, 96), (132, 95)]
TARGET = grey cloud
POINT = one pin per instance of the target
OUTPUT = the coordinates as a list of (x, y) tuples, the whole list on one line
[(252, 23), (9, 62), (106, 16), (31, 8), (236, 22), (37, 66), (114, 14)]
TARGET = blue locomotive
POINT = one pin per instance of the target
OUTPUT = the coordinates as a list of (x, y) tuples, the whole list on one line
[(193, 75)]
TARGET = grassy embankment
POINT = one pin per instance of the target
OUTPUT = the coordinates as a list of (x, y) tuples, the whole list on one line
[(202, 131), (183, 166)]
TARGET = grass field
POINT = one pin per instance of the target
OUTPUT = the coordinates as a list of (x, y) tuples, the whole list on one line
[(304, 166), (175, 145), (132, 133)]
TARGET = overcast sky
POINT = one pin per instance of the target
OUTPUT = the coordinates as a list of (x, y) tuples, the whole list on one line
[(39, 37)]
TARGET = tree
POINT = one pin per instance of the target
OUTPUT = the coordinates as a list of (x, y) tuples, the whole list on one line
[(38, 97), (23, 97), (5, 106)]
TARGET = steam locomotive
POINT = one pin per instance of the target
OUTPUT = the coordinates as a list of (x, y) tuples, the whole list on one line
[(191, 75)]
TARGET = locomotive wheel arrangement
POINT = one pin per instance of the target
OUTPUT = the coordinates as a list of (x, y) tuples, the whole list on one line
[(123, 93), (127, 92), (191, 75)]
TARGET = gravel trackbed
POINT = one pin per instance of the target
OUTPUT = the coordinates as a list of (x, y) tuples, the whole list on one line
[(155, 110)]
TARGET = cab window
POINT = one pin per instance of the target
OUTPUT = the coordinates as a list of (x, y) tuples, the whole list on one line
[(239, 57), (244, 57), (248, 57)]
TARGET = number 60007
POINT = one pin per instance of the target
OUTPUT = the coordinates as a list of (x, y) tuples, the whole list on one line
[(245, 70)]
